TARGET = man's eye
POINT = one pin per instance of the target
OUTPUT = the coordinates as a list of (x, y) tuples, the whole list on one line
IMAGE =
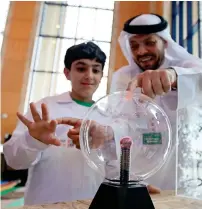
[(134, 46), (150, 43)]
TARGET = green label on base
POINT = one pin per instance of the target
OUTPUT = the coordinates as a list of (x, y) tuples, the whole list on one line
[(152, 138)]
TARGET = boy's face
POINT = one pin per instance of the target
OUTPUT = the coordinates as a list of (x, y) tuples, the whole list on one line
[(85, 76)]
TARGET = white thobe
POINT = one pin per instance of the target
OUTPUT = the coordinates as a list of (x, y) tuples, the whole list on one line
[(187, 98)]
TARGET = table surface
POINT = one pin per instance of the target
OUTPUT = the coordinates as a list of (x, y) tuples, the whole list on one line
[(165, 200)]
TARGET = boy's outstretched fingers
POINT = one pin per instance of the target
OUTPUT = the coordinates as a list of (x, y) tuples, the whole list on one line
[(24, 120)]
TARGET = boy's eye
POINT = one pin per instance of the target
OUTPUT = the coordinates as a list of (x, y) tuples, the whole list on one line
[(96, 71), (81, 69)]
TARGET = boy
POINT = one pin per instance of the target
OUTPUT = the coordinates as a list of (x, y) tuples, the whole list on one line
[(56, 173)]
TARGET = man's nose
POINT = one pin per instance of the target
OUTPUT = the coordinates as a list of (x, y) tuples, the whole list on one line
[(141, 50)]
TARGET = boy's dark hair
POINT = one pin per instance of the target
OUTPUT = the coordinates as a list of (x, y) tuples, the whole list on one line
[(87, 50)]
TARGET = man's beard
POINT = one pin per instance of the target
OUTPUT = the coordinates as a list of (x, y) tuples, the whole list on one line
[(153, 67), (156, 66)]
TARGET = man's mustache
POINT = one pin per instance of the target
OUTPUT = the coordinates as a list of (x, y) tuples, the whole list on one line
[(145, 55)]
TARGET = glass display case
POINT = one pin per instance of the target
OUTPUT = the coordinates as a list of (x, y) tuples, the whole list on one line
[(189, 152)]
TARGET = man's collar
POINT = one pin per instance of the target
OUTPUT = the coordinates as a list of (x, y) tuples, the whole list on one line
[(165, 64)]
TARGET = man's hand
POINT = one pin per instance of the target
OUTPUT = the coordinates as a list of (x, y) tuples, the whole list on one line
[(98, 133), (42, 128), (154, 82), (153, 190)]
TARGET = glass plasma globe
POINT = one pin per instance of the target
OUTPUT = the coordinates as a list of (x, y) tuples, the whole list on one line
[(135, 117)]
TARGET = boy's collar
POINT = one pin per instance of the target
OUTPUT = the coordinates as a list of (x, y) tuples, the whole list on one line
[(64, 98)]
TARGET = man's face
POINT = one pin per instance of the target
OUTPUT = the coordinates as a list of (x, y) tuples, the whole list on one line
[(85, 76), (148, 51)]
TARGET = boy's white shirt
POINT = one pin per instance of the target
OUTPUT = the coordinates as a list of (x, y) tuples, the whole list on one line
[(56, 174)]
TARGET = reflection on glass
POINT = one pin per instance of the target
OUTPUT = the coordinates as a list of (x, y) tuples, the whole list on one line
[(74, 24), (51, 20), (189, 152), (103, 26), (74, 2), (40, 86), (79, 41), (86, 23), (88, 3), (3, 17), (1, 39), (62, 47), (150, 148), (69, 22), (45, 54), (105, 4), (3, 14), (101, 90), (105, 47), (60, 84), (106, 68), (200, 3), (59, 2)]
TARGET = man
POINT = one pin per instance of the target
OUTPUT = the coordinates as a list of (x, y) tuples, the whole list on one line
[(58, 173), (164, 71)]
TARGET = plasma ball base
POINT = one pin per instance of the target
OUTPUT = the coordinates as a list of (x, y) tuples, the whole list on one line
[(117, 196)]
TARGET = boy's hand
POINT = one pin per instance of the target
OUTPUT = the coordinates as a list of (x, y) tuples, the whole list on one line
[(42, 128), (98, 133)]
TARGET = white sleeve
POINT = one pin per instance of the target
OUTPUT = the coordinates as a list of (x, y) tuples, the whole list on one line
[(189, 84), (22, 151), (120, 81)]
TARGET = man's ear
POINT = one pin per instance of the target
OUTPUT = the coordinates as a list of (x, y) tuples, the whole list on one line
[(166, 44), (67, 73)]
